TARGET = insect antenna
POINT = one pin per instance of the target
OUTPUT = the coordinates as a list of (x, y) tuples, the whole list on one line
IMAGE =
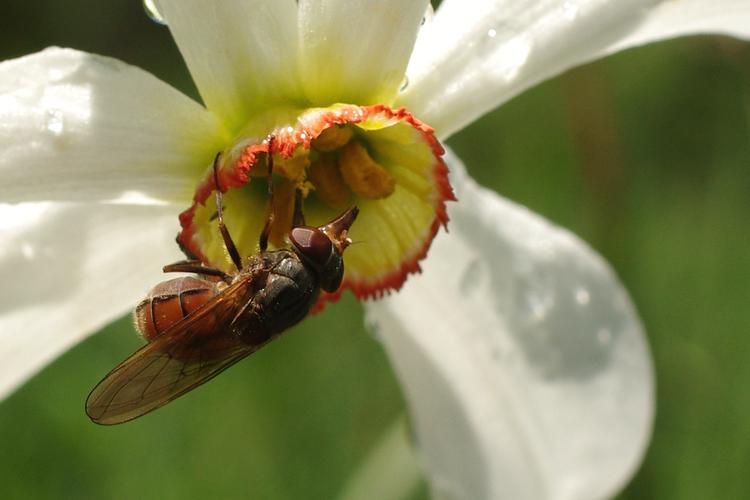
[(228, 242), (265, 233)]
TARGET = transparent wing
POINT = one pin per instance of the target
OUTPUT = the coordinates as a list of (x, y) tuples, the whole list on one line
[(190, 353)]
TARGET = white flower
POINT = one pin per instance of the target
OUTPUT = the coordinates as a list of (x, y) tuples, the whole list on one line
[(523, 361)]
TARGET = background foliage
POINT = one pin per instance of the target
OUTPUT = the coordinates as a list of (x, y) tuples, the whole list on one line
[(645, 155)]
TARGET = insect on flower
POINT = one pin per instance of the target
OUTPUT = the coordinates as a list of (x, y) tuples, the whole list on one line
[(198, 327)]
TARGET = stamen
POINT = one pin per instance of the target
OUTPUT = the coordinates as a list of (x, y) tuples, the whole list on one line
[(329, 185), (283, 212), (364, 175), (332, 138), (335, 158)]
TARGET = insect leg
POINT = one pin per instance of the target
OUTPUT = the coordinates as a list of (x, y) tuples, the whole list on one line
[(264, 234), (194, 266), (228, 243), (299, 218), (194, 262)]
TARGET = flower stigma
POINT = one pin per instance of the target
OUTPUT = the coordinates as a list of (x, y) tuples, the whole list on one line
[(384, 161)]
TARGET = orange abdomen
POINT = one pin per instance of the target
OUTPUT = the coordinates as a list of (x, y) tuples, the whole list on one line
[(169, 302)]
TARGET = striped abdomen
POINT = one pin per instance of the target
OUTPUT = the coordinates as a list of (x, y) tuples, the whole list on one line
[(169, 302)]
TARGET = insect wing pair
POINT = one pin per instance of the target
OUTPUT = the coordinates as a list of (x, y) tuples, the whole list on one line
[(191, 352), (272, 293)]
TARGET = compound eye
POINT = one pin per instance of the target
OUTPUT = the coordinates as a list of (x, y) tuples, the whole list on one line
[(313, 244)]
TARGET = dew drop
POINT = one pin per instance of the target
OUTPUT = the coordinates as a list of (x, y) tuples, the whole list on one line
[(508, 61), (404, 84), (373, 328), (539, 304), (471, 277), (492, 32), (55, 122), (429, 13), (153, 13), (583, 296), (28, 251)]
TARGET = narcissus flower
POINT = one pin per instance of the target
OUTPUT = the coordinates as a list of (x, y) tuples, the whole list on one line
[(523, 361)]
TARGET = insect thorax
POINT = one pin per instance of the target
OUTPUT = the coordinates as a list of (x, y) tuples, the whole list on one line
[(291, 288)]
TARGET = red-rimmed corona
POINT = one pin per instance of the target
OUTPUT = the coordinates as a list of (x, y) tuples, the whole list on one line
[(383, 160)]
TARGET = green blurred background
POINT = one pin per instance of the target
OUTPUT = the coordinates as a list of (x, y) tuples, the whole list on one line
[(644, 155)]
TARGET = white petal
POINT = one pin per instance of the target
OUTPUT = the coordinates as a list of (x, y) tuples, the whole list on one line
[(523, 361), (477, 54), (686, 17), (389, 469), (76, 126), (70, 269), (242, 54), (356, 51)]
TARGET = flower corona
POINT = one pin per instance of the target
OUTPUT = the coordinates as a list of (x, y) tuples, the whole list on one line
[(385, 161)]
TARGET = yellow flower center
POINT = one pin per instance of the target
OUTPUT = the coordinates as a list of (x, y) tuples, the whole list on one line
[(336, 166), (384, 161)]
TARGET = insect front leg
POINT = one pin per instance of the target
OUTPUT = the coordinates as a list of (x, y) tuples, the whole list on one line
[(195, 266), (299, 218), (228, 242)]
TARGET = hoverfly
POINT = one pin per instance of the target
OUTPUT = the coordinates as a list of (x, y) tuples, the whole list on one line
[(196, 327)]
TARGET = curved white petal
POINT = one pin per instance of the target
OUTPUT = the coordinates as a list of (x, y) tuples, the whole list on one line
[(70, 269), (523, 361), (356, 50), (242, 54), (687, 17), (79, 127), (389, 471), (477, 54)]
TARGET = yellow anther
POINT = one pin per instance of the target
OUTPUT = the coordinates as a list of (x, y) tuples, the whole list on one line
[(363, 175), (332, 138), (329, 185)]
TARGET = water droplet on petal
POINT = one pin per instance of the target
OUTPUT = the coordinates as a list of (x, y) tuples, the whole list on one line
[(404, 84), (471, 277), (429, 13), (153, 13), (373, 327), (28, 251), (492, 32), (538, 304), (55, 122), (512, 56), (583, 296)]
